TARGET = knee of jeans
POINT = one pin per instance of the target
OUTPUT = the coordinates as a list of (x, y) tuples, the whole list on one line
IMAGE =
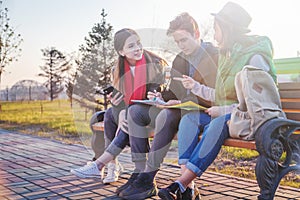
[(184, 120), (182, 127), (134, 114), (167, 118)]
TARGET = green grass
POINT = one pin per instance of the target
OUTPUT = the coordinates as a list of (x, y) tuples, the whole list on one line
[(241, 163), (56, 118)]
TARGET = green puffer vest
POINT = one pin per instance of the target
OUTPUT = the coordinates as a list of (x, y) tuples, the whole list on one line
[(233, 62)]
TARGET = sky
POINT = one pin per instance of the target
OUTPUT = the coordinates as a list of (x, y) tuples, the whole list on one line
[(64, 24)]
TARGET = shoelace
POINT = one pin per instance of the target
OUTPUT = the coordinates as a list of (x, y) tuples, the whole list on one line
[(87, 168)]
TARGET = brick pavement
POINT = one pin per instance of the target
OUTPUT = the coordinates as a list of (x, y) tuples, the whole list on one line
[(38, 168)]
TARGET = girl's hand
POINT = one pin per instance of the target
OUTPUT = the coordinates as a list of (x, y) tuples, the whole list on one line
[(213, 111), (188, 82), (172, 102), (124, 126), (154, 95), (216, 111), (116, 99)]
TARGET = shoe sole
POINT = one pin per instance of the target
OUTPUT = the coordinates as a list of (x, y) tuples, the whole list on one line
[(165, 196), (110, 181), (141, 196), (80, 175)]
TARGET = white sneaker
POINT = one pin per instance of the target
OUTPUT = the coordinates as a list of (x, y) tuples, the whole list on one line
[(88, 171), (101, 172), (113, 172)]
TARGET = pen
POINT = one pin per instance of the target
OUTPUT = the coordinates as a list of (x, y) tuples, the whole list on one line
[(155, 95)]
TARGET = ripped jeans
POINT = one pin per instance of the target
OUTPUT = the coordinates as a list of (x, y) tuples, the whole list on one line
[(208, 148), (190, 127)]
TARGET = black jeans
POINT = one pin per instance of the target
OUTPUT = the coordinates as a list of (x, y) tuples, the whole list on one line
[(165, 123)]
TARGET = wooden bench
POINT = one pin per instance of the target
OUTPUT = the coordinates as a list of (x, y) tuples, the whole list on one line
[(273, 138)]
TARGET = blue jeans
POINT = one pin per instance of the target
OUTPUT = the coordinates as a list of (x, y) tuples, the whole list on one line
[(190, 126), (111, 118), (114, 144), (118, 143), (208, 148), (101, 140)]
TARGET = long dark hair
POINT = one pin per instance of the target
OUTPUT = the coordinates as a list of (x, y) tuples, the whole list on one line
[(119, 41), (230, 35)]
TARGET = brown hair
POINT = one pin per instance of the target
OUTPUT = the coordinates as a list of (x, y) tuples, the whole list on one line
[(230, 35), (184, 22)]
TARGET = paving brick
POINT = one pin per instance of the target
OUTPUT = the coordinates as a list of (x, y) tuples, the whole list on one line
[(38, 168), (214, 196)]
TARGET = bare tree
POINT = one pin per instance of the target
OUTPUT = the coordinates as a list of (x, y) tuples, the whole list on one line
[(9, 41), (55, 69)]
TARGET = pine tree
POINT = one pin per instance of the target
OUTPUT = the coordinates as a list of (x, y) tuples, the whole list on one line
[(97, 59), (55, 70)]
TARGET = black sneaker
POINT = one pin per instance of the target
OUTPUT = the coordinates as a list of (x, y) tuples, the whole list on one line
[(130, 180), (171, 192), (143, 187), (190, 194)]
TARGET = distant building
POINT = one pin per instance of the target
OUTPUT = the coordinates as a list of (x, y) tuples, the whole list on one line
[(25, 90)]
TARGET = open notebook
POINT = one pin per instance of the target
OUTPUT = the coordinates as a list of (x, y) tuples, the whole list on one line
[(189, 105)]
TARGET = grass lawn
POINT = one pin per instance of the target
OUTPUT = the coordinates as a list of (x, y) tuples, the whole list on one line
[(56, 119)]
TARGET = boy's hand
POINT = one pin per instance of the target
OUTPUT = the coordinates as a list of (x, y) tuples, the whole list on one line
[(188, 82)]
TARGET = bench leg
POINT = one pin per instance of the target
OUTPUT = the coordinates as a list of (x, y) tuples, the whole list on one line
[(97, 139), (273, 139)]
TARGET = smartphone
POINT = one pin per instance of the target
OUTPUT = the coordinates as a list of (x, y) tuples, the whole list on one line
[(110, 89)]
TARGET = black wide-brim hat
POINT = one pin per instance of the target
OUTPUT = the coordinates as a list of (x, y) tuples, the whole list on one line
[(234, 15)]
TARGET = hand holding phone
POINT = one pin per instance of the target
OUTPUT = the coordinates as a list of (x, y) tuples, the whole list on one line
[(108, 90), (113, 95), (117, 98)]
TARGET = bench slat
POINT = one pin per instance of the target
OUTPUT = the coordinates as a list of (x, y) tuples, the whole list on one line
[(293, 116), (289, 86), (99, 126), (290, 94), (240, 143)]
